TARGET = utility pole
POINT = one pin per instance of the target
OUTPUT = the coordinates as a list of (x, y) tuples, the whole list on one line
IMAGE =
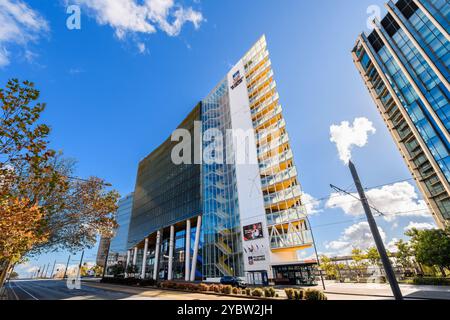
[(46, 270), (390, 275), (67, 266), (53, 269), (80, 265), (317, 255)]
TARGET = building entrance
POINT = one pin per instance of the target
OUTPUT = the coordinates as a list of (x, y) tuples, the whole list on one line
[(300, 274)]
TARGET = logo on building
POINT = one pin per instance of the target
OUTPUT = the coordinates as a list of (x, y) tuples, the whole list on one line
[(237, 80)]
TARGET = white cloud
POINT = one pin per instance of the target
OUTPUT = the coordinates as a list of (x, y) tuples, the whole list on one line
[(141, 47), (346, 136), (143, 16), (396, 200), (356, 236), (19, 25), (391, 246), (312, 205), (419, 226)]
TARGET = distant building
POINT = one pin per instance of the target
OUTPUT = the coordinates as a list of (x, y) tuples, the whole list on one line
[(102, 251), (405, 64)]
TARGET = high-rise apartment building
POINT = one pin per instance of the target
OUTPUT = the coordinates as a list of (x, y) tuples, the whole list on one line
[(405, 64), (234, 207)]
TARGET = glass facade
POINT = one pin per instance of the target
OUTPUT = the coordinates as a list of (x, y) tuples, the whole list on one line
[(222, 238), (119, 243), (405, 63), (165, 193)]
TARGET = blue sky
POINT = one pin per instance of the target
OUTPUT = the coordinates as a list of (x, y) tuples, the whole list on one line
[(111, 101)]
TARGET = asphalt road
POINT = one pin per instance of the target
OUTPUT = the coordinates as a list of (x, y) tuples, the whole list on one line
[(59, 290)]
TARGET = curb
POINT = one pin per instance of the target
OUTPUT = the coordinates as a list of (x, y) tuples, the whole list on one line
[(198, 292), (374, 295)]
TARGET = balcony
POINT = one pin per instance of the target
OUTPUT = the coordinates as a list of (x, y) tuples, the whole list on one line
[(280, 177), (281, 196), (291, 240), (276, 112), (281, 217), (260, 82), (275, 160), (276, 127), (270, 87), (265, 104), (273, 144)]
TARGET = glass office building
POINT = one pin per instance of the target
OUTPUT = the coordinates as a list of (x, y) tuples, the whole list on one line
[(405, 65), (119, 243), (235, 208)]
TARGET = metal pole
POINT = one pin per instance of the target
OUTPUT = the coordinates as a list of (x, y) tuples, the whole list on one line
[(80, 265), (187, 253), (144, 260), (196, 245), (53, 269), (46, 270), (67, 266), (317, 255), (390, 275)]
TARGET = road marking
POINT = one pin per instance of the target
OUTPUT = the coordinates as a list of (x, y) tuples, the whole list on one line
[(25, 291), (12, 289)]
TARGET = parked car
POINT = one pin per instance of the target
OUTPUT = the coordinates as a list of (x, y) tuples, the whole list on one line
[(233, 281)]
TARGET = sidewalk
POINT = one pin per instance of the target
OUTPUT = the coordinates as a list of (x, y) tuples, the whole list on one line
[(383, 290)]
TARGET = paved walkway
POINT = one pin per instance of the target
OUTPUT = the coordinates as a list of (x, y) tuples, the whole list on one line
[(383, 290)]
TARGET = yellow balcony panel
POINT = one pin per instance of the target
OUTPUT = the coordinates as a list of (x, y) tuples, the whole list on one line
[(280, 186), (274, 151), (291, 249), (284, 205)]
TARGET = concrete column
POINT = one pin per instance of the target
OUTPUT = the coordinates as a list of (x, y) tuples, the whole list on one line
[(196, 245), (128, 262), (187, 253), (171, 245), (144, 259), (135, 256), (157, 250)]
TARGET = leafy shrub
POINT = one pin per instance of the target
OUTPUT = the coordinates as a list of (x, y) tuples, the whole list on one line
[(214, 288), (299, 294), (269, 292), (312, 294), (236, 291), (226, 289), (257, 293), (289, 293), (203, 287), (432, 281)]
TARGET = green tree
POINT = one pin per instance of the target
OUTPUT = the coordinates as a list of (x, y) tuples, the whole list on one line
[(404, 254), (431, 247), (329, 267), (358, 258), (41, 207), (97, 270), (373, 256)]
